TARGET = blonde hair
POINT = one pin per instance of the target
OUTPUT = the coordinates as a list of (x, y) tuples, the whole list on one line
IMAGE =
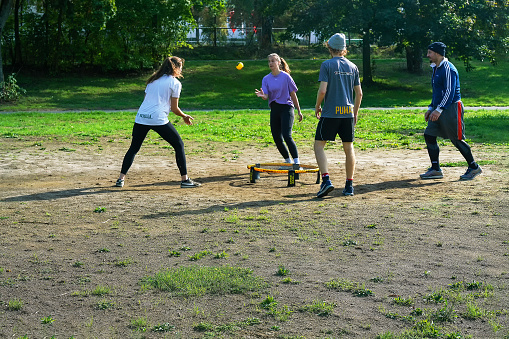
[(171, 66), (283, 65), (341, 52)]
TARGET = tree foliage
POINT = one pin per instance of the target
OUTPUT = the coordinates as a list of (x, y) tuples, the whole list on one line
[(470, 28), (60, 35), (261, 15), (5, 10), (109, 34)]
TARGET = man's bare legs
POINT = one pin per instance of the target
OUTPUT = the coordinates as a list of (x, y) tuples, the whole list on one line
[(321, 160), (321, 157)]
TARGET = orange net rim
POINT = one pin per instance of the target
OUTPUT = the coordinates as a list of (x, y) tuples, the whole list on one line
[(307, 168)]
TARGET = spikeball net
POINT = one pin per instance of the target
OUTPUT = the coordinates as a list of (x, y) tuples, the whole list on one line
[(293, 171)]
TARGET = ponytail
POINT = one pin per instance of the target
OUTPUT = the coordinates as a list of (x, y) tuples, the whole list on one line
[(284, 66), (170, 66)]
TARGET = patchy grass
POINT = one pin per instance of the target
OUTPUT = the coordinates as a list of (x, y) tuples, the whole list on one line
[(195, 281)]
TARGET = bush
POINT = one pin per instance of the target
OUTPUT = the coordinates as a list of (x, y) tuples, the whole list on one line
[(9, 90)]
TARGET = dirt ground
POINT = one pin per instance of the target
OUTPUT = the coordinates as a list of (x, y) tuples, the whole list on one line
[(65, 230)]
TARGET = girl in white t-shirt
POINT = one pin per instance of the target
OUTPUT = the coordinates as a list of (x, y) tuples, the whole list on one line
[(161, 96)]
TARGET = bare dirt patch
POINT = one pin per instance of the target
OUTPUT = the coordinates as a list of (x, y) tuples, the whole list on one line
[(67, 230)]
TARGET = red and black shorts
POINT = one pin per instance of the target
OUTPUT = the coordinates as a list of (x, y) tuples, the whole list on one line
[(450, 125)]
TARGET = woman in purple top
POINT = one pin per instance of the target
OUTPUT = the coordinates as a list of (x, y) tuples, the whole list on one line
[(280, 90)]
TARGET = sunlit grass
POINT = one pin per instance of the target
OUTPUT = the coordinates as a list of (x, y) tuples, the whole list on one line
[(198, 280), (397, 128), (218, 85)]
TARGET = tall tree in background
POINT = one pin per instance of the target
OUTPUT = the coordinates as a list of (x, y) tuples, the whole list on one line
[(5, 10), (417, 22), (57, 34), (211, 17), (242, 14), (266, 11), (475, 29), (262, 15), (132, 34), (143, 31), (371, 20), (61, 35)]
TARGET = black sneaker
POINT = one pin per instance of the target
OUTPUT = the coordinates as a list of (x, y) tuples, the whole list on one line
[(189, 184), (120, 183), (471, 173), (325, 188)]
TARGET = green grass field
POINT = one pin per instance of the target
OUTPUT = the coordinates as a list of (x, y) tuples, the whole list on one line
[(376, 128), (218, 85)]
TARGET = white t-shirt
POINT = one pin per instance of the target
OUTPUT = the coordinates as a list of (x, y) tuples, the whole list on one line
[(156, 106)]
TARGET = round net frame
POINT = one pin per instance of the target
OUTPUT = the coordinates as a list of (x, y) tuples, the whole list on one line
[(293, 171)]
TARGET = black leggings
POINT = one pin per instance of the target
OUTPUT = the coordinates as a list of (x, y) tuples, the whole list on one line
[(281, 123), (434, 150), (168, 133)]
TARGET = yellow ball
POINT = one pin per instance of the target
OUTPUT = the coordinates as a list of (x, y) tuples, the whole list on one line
[(239, 66)]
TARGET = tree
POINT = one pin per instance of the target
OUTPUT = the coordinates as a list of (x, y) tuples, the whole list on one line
[(474, 29), (368, 19), (262, 15), (211, 16), (373, 21), (5, 10), (416, 20), (242, 13), (113, 34)]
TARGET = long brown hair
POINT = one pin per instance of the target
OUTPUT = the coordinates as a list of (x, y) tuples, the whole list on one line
[(283, 65), (171, 66)]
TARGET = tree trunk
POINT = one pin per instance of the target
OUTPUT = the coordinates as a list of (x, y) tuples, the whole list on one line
[(413, 59), (58, 39), (215, 31), (18, 57), (267, 32), (45, 17), (366, 60), (5, 10)]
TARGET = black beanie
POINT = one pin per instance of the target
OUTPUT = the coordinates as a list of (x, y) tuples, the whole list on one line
[(438, 47)]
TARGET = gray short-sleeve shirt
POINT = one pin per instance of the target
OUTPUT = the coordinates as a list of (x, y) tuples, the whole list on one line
[(341, 76)]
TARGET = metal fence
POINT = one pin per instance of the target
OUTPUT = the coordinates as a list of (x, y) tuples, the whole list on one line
[(227, 36)]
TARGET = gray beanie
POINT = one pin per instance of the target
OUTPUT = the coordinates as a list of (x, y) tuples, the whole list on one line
[(337, 42), (438, 47)]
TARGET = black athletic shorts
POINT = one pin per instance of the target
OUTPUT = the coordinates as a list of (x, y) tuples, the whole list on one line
[(328, 128)]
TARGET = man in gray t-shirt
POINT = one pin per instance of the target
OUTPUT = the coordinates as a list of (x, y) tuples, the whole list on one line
[(339, 80)]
